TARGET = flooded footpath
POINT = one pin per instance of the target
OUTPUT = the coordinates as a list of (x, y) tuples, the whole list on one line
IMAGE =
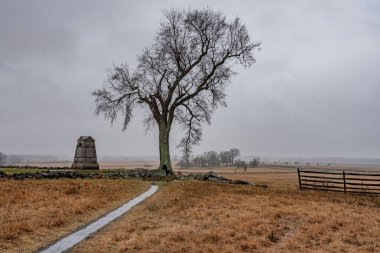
[(76, 237)]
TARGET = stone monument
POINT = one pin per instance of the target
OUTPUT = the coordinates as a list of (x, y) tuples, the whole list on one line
[(85, 154)]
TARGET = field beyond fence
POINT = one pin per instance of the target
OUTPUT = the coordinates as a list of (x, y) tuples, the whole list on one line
[(339, 181)]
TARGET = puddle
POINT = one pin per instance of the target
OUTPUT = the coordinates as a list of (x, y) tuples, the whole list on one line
[(73, 239)]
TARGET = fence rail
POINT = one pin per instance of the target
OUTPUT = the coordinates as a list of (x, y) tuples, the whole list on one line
[(339, 181)]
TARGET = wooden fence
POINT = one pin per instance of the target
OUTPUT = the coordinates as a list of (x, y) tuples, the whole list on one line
[(339, 181)]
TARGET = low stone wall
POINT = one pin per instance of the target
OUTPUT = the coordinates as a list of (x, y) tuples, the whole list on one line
[(213, 177), (33, 167), (136, 173)]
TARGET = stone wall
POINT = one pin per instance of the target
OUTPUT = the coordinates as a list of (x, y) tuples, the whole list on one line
[(126, 174)]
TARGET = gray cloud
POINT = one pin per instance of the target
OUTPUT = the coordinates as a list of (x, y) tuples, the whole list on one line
[(313, 91)]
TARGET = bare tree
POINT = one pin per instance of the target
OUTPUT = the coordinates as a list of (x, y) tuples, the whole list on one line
[(245, 166), (234, 152), (181, 78), (212, 158), (3, 158), (224, 157), (241, 164), (254, 163), (200, 161)]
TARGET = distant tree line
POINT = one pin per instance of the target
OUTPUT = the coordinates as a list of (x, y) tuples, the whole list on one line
[(11, 159), (3, 158), (244, 165), (221, 159), (212, 159)]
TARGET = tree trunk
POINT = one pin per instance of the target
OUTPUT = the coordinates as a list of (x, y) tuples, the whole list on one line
[(165, 163)]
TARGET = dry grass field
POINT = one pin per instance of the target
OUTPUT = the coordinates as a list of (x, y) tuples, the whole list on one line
[(261, 175), (191, 216), (34, 213), (194, 216), (279, 175)]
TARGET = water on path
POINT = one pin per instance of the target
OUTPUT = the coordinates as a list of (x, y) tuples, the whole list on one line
[(78, 236)]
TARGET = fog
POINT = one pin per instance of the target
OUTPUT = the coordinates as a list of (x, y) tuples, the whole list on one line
[(313, 92)]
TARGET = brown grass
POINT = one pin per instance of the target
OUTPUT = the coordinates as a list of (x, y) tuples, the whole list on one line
[(35, 213), (261, 175), (193, 216)]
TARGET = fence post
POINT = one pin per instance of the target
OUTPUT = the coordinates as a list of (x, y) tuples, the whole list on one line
[(344, 182), (299, 178)]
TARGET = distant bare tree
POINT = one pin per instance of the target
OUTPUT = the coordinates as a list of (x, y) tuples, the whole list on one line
[(233, 154), (15, 159), (184, 164), (224, 157), (254, 163), (3, 158), (212, 158), (181, 78), (241, 164), (244, 165)]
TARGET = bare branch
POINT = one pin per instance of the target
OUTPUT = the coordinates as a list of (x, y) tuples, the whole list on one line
[(183, 76)]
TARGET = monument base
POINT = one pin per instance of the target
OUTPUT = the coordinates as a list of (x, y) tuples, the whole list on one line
[(85, 166)]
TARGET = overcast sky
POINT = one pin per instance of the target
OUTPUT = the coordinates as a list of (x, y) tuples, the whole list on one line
[(314, 90)]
